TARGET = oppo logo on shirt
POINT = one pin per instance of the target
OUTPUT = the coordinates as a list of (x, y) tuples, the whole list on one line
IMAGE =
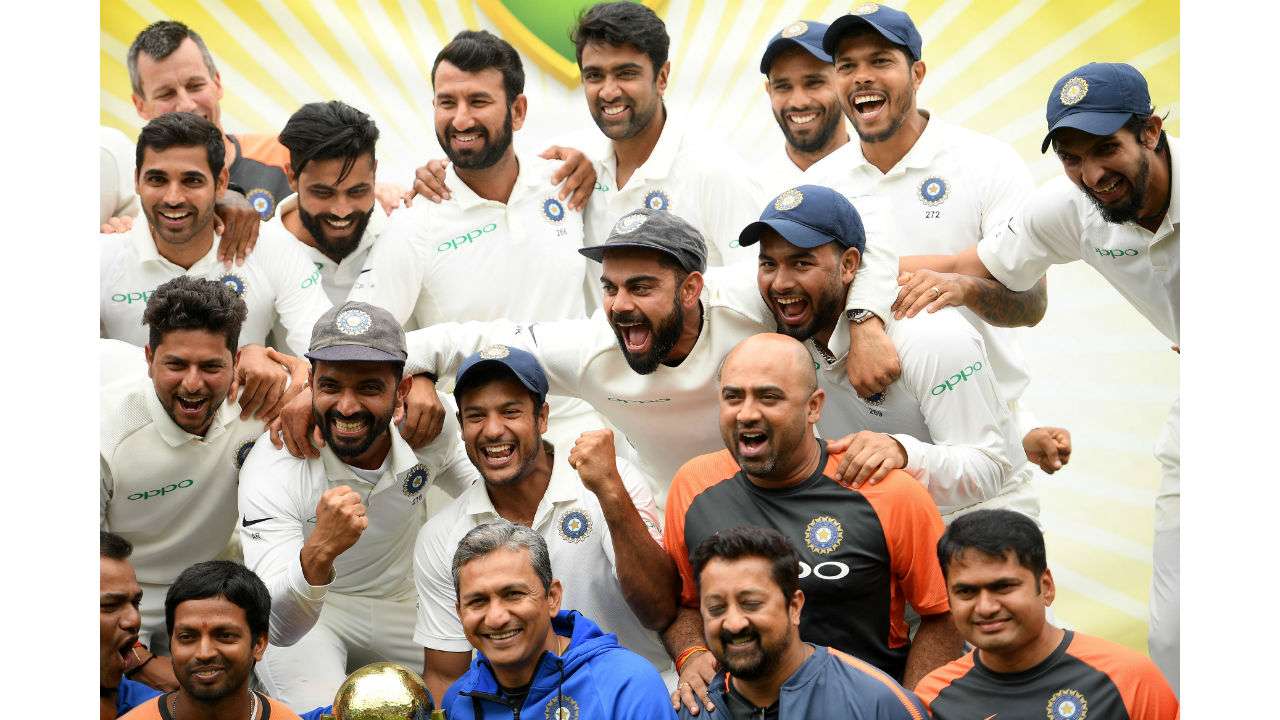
[(312, 279), (1117, 253), (161, 492), (957, 378), (130, 298), (466, 239)]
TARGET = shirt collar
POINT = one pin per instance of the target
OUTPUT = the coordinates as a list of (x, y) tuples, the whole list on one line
[(466, 198), (169, 430), (563, 487), (1171, 219), (921, 154), (145, 245), (377, 223), (661, 159), (403, 460)]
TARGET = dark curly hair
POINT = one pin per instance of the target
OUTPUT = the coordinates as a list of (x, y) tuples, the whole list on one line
[(188, 303)]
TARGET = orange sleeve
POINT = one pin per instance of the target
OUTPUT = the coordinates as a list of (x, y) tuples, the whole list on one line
[(691, 479), (149, 710), (282, 711), (1146, 694), (935, 682), (912, 528), (266, 149)]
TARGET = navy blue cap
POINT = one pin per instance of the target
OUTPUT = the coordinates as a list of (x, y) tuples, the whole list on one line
[(1098, 98), (808, 216), (520, 362), (895, 25), (805, 34)]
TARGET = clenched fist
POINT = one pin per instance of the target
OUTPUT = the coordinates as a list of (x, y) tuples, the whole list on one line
[(1048, 447), (340, 520), (594, 458)]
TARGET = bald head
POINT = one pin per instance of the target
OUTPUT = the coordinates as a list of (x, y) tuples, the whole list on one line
[(780, 357)]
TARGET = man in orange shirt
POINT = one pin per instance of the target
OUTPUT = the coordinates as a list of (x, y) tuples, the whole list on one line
[(999, 585), (864, 552)]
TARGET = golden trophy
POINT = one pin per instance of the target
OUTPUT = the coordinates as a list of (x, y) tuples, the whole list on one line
[(383, 691)]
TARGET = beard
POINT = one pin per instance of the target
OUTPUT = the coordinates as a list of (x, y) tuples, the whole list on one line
[(493, 150), (340, 248), (760, 663), (232, 680), (347, 449), (826, 312), (640, 118), (1128, 209), (665, 335), (908, 100), (820, 139)]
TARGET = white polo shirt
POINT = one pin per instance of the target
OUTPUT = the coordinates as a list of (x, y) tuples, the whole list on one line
[(778, 172), (170, 493), (945, 409), (698, 178), (569, 518), (278, 498), (953, 188), (1060, 224), (116, 195), (336, 278), (276, 281)]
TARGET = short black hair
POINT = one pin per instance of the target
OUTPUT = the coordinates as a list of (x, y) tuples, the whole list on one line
[(159, 40), (113, 547), (221, 578), (182, 129), (475, 50), (745, 541), (491, 372), (327, 131), (1137, 124), (188, 303), (995, 533), (623, 23)]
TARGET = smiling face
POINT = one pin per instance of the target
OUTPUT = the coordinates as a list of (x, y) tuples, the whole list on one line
[(749, 624), (997, 604), (353, 404), (179, 83), (474, 120), (804, 287), (213, 650), (877, 84), (623, 91), (502, 430), (1114, 171), (644, 304), (191, 371), (177, 191), (119, 620), (505, 612), (802, 91), (335, 209)]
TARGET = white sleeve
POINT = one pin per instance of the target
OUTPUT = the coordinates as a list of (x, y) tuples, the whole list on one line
[(559, 345), (1046, 231), (875, 285), (1009, 185), (732, 200), (951, 377), (438, 626), (272, 545), (300, 297), (393, 274)]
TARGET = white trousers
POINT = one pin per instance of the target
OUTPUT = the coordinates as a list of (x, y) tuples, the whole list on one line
[(350, 633), (1163, 638)]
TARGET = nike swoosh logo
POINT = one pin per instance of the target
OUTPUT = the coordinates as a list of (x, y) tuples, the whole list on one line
[(364, 271), (246, 522)]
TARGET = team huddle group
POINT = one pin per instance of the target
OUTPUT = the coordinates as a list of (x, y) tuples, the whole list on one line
[(631, 429)]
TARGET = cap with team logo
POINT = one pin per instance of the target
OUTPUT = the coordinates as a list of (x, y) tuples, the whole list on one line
[(805, 34), (357, 332), (808, 216), (520, 362), (655, 230), (1098, 98), (895, 25)]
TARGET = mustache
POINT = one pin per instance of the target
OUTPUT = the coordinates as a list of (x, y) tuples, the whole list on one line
[(630, 317), (727, 637)]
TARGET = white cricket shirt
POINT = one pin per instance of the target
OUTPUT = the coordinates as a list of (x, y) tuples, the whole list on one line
[(337, 279), (953, 188), (278, 498), (569, 518), (945, 409), (1060, 224), (116, 195), (698, 178), (170, 493), (276, 281)]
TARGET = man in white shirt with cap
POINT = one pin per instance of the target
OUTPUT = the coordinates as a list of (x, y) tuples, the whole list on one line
[(332, 537)]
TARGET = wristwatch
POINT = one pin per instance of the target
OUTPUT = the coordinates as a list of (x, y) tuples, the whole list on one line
[(858, 316)]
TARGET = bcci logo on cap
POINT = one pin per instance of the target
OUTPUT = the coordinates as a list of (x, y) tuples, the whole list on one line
[(263, 201), (657, 200), (934, 191), (795, 29), (866, 9), (353, 322), (235, 282), (495, 352), (823, 534), (415, 481), (575, 525), (1073, 91), (788, 200), (629, 223), (561, 707), (553, 210), (242, 452), (1067, 705)]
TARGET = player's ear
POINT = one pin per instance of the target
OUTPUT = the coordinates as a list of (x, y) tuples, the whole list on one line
[(402, 390), (917, 73), (814, 408), (691, 289), (259, 647), (146, 352), (554, 595), (850, 261), (795, 606), (224, 178), (544, 412), (518, 110), (288, 175), (1047, 589), (661, 80)]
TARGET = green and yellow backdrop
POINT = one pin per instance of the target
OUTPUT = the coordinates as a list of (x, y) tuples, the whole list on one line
[(1097, 367)]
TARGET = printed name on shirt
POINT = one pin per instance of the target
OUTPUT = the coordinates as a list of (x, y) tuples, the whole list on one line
[(161, 492), (1116, 253), (466, 238), (959, 377), (638, 402), (130, 297)]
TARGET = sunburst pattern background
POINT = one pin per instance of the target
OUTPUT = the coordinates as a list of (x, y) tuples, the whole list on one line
[(1097, 366)]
